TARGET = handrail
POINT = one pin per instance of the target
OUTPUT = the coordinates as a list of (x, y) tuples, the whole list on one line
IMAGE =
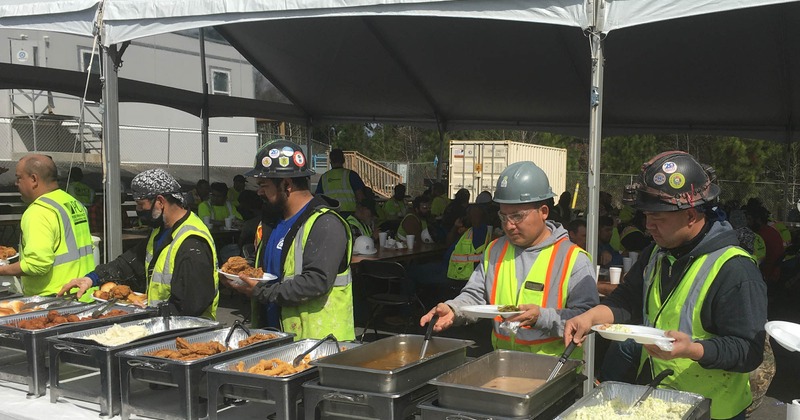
[(381, 179)]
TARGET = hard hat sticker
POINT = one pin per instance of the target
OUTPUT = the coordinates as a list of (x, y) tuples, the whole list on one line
[(659, 178), (274, 153), (677, 180), (283, 161), (299, 159), (669, 167), (266, 162), (287, 151), (504, 182)]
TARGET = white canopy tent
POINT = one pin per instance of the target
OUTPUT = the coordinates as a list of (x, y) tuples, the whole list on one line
[(703, 66)]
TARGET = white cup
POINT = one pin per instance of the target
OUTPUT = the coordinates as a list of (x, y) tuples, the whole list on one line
[(597, 274), (614, 273), (382, 238), (229, 223), (410, 241), (633, 256), (96, 249), (627, 262), (207, 221)]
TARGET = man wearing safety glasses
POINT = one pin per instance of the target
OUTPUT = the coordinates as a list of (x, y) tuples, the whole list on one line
[(533, 267)]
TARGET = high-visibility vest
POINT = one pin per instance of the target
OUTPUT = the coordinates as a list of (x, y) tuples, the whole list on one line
[(323, 315), (393, 209), (465, 256), (336, 185), (73, 252), (729, 391), (159, 283), (401, 233), (212, 210), (363, 229), (81, 192), (546, 285)]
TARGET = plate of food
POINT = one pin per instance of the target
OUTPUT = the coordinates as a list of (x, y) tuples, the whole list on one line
[(638, 333), (124, 294), (787, 334), (8, 253), (238, 265), (490, 311)]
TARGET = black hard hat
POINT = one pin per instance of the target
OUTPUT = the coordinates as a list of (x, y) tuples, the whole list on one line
[(280, 159), (672, 181)]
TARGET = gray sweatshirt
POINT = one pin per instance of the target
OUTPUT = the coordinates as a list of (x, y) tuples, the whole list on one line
[(581, 294)]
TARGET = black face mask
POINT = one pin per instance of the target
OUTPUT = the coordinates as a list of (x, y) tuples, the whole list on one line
[(146, 217)]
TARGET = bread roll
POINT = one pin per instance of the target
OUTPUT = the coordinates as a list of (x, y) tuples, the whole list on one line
[(106, 287), (16, 305), (6, 311)]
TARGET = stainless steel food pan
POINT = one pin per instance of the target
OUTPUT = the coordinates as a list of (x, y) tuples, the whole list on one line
[(700, 407), (185, 379), (521, 377), (23, 352), (73, 357), (285, 391), (347, 370)]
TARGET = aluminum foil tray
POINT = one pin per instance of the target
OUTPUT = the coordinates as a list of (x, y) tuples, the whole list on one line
[(59, 304), (82, 311), (462, 388), (218, 335), (286, 353), (154, 327), (628, 394)]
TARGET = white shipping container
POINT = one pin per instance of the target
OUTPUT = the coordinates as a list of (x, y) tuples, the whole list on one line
[(476, 164)]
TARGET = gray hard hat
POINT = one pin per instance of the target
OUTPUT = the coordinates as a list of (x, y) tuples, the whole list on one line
[(522, 182)]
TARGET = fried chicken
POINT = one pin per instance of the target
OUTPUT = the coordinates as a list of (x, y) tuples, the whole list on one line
[(7, 252), (189, 351), (239, 265), (255, 338), (120, 292), (274, 367), (54, 318)]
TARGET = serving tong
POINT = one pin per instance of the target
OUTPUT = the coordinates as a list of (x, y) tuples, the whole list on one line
[(104, 307), (63, 299), (561, 360), (329, 337), (236, 324), (650, 388), (428, 334)]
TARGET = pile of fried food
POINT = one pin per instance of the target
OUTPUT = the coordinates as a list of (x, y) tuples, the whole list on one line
[(239, 265), (193, 351), (54, 318), (508, 308), (6, 252), (275, 367), (12, 307), (123, 293)]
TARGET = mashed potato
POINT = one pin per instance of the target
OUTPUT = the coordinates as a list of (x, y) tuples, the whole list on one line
[(617, 328), (649, 409), (118, 335)]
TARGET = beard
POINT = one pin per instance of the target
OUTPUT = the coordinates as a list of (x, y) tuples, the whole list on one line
[(272, 213)]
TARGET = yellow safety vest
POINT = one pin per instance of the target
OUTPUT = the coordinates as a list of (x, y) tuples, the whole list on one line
[(393, 209), (323, 315), (336, 185), (363, 229), (73, 252), (159, 283), (729, 391), (401, 233), (546, 285), (465, 255)]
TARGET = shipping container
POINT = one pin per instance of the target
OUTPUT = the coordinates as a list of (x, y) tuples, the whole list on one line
[(476, 164)]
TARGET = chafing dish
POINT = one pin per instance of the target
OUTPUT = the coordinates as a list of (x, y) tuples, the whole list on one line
[(48, 302), (79, 353), (506, 383), (335, 403), (23, 353), (627, 394), (391, 365), (285, 392), (182, 382)]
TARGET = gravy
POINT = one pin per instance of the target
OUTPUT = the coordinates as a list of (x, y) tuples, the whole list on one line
[(393, 360), (514, 384)]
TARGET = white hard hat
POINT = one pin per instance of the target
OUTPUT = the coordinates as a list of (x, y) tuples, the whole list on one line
[(364, 245), (426, 237)]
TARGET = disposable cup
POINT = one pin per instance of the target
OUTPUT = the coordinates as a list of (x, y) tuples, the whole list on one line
[(627, 262), (382, 238), (597, 274), (634, 256), (229, 223), (614, 273), (410, 241)]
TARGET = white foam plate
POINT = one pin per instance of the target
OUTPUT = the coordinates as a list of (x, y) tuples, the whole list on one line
[(486, 311), (13, 257), (787, 334), (122, 302), (235, 277), (639, 333)]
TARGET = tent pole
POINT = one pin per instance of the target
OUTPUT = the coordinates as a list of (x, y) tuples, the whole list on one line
[(595, 136), (309, 147), (111, 156), (441, 127), (204, 125)]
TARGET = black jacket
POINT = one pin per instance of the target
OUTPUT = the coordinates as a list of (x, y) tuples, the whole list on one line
[(735, 308)]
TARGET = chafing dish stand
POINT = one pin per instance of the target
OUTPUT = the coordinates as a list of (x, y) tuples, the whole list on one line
[(173, 390), (23, 353), (337, 403), (97, 362)]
